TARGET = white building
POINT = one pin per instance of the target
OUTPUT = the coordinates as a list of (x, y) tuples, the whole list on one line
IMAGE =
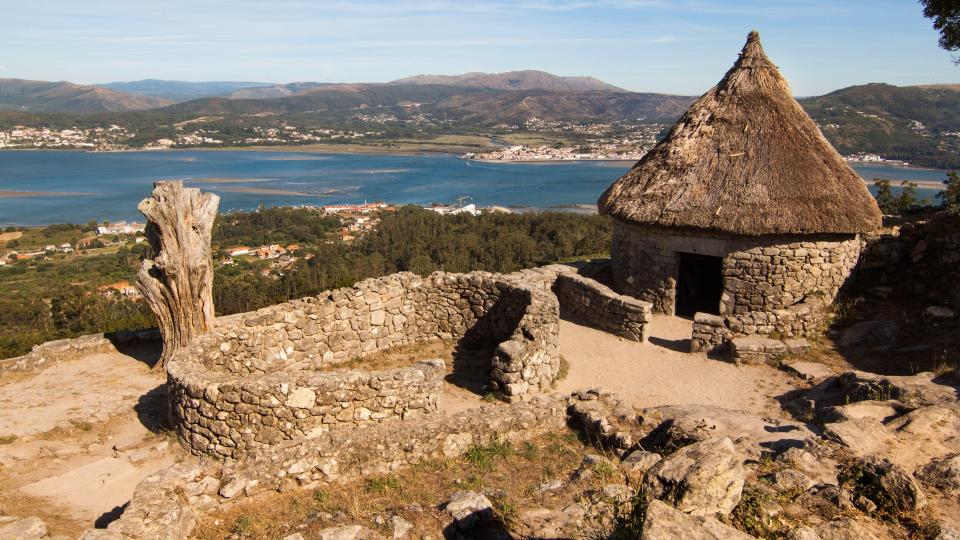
[(120, 227)]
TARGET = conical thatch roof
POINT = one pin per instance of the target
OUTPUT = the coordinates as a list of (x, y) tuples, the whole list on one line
[(745, 159)]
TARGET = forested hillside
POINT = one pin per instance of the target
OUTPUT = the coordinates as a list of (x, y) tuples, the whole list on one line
[(58, 297), (421, 241), (909, 123)]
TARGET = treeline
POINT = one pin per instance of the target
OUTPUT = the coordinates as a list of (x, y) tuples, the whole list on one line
[(420, 241), (54, 299), (44, 300), (907, 202), (272, 225)]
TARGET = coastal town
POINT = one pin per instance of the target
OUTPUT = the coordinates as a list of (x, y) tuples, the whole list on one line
[(112, 137), (636, 140), (624, 151)]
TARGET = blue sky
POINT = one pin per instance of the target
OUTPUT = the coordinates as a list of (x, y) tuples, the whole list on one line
[(676, 46)]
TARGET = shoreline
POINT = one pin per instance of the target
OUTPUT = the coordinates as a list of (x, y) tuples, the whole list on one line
[(403, 149), (897, 166), (541, 161)]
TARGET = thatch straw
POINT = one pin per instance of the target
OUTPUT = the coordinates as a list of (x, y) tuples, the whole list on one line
[(745, 159)]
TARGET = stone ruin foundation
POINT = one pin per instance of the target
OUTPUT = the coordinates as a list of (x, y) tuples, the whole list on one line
[(270, 376)]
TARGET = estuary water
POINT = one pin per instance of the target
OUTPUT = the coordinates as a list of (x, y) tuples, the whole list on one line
[(42, 187)]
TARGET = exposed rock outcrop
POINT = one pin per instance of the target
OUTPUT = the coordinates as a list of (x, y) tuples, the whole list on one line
[(702, 479), (663, 522)]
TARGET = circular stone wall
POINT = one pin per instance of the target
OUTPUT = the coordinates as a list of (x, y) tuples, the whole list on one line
[(264, 377)]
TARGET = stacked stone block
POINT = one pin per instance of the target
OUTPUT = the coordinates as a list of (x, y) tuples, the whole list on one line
[(710, 333), (593, 303), (227, 416)]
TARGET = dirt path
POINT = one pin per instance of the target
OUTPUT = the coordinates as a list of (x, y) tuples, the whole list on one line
[(659, 372), (77, 438)]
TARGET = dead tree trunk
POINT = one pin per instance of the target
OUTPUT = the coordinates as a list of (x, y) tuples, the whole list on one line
[(177, 283)]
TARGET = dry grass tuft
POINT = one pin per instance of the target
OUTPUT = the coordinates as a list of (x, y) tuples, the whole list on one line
[(400, 356), (508, 473)]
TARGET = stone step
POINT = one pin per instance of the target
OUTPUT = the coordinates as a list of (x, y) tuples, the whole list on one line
[(757, 349)]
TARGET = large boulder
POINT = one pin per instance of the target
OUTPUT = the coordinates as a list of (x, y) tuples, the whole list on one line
[(943, 474), (663, 522), (27, 528), (920, 390), (872, 334), (469, 509), (881, 411), (888, 486), (820, 469), (636, 464), (808, 371), (671, 427), (864, 436), (603, 417), (838, 529), (701, 479)]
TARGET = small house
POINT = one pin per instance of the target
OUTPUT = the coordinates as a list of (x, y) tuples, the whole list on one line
[(744, 211)]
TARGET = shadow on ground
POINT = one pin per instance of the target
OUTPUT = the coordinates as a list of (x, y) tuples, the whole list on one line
[(146, 350), (679, 345), (153, 409), (472, 362), (109, 517)]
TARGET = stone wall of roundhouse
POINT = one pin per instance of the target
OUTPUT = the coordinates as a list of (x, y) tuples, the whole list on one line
[(771, 284)]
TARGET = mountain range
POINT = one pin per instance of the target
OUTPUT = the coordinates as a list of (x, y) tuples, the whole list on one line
[(64, 97), (181, 90), (914, 123), (515, 80), (48, 97), (471, 105)]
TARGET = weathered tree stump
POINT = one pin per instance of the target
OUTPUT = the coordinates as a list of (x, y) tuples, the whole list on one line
[(177, 283)]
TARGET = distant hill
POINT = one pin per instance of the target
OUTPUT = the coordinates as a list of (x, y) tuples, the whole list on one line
[(913, 123), (275, 90), (917, 124), (515, 80), (942, 86), (181, 90), (65, 97), (467, 104)]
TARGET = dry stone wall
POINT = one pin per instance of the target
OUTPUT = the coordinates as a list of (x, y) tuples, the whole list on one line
[(770, 284), (52, 352), (917, 261), (585, 300), (169, 503), (588, 301), (228, 416), (349, 455), (257, 380), (710, 333)]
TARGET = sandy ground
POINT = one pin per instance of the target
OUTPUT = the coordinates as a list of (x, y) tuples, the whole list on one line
[(659, 373), (78, 437), (88, 390)]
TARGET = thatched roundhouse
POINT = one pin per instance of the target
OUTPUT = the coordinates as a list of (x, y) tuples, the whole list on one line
[(744, 211)]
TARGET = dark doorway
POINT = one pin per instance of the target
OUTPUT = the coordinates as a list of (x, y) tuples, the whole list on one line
[(699, 284)]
